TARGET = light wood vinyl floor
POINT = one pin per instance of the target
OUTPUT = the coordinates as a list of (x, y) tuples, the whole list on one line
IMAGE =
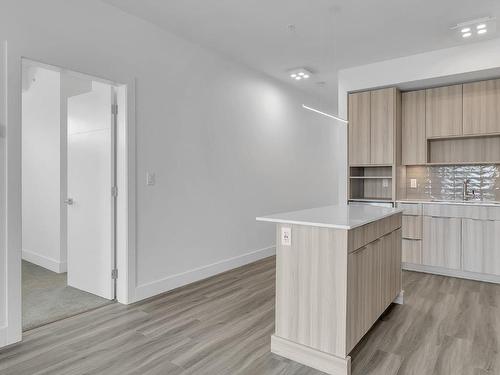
[(222, 326)]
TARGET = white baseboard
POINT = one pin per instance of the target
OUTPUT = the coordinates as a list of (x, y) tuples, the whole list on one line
[(3, 336), (7, 338), (175, 281), (453, 273), (45, 262), (400, 299)]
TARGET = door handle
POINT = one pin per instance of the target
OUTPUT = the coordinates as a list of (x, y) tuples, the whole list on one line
[(69, 201)]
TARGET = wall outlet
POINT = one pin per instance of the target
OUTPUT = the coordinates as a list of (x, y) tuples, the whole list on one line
[(385, 182), (286, 236), (413, 183), (150, 178)]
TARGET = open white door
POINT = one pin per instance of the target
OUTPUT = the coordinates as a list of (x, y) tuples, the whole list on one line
[(91, 176)]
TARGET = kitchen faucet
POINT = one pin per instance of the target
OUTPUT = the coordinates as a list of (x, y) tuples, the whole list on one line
[(465, 191)]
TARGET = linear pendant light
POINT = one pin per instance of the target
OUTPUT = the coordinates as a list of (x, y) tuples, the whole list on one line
[(325, 114)]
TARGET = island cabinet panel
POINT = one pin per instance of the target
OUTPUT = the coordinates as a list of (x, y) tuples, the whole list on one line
[(443, 111), (442, 237), (481, 111), (481, 246), (374, 281), (382, 118), (359, 128), (414, 140), (311, 277)]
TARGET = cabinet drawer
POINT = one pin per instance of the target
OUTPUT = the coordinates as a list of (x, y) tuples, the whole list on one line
[(412, 227), (411, 208), (412, 251), (442, 239), (472, 211)]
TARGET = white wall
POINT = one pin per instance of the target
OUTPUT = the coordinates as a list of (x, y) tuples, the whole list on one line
[(41, 215), (466, 62), (226, 143)]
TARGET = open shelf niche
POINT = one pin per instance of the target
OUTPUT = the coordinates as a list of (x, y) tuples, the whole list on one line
[(464, 150), (370, 183)]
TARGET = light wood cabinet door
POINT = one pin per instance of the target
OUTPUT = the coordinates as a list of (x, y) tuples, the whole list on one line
[(359, 128), (481, 246), (383, 105), (412, 251), (443, 111), (414, 139), (373, 282), (412, 227), (442, 242), (482, 107)]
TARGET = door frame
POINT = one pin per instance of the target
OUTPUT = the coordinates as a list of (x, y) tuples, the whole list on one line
[(10, 115)]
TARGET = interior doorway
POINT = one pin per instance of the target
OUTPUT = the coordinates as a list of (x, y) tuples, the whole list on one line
[(69, 190)]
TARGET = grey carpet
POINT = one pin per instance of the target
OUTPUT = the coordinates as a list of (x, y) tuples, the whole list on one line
[(47, 298)]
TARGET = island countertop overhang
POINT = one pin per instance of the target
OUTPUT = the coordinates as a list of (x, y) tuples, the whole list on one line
[(333, 216)]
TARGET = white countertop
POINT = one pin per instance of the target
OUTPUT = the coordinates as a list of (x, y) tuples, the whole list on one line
[(461, 203), (339, 217)]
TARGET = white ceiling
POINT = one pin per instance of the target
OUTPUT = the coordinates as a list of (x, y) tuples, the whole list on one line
[(329, 34)]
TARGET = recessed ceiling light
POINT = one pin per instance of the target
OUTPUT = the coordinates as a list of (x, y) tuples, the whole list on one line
[(474, 28), (299, 74)]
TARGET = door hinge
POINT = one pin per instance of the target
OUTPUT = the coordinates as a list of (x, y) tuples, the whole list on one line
[(114, 274), (114, 191), (114, 109)]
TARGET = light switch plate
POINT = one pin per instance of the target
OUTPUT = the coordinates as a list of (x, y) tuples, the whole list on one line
[(286, 236), (150, 178), (413, 183), (385, 182)]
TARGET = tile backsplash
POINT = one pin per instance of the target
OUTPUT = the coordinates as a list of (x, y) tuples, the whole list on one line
[(446, 182)]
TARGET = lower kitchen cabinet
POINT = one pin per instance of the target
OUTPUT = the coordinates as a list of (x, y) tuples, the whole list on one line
[(442, 242), (412, 227), (455, 240), (481, 246), (412, 251)]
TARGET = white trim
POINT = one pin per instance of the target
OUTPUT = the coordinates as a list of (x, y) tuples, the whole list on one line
[(13, 218), (400, 298), (11, 76), (175, 281), (3, 336), (452, 273), (43, 261)]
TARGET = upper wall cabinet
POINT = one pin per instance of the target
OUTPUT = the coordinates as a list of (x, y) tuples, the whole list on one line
[(414, 138), (359, 128), (481, 110), (444, 111), (372, 119), (383, 105)]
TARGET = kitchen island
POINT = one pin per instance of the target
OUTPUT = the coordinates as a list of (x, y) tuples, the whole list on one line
[(337, 269)]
